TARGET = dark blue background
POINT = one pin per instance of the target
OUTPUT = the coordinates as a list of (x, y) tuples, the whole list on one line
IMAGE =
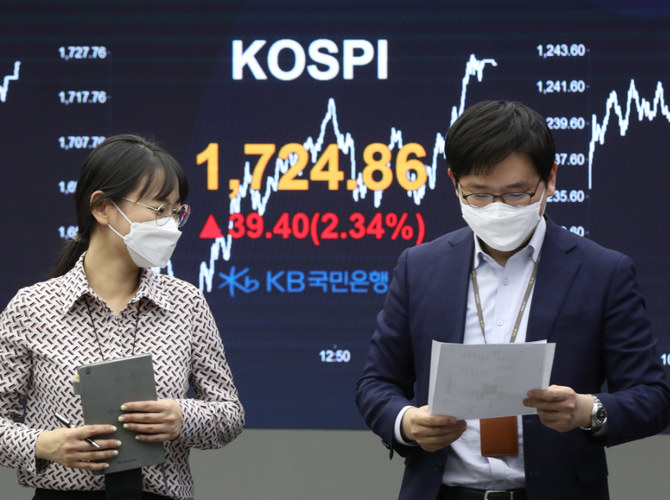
[(169, 77)]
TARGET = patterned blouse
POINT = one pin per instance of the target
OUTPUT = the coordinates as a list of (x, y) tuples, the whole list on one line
[(51, 328)]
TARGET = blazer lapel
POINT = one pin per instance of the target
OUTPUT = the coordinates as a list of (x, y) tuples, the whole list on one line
[(454, 273), (556, 272)]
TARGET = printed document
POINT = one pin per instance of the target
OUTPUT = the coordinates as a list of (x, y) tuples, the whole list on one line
[(487, 380)]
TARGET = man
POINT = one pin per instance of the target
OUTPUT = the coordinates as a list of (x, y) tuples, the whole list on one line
[(585, 299)]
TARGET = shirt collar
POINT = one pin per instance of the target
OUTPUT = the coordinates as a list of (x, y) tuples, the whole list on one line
[(533, 247), (76, 286)]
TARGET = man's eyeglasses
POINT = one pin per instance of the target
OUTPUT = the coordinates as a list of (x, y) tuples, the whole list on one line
[(178, 213), (513, 199)]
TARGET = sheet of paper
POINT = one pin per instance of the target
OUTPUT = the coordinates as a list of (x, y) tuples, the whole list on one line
[(487, 380)]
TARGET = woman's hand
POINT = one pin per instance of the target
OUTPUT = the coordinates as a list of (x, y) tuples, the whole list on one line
[(68, 446), (153, 420)]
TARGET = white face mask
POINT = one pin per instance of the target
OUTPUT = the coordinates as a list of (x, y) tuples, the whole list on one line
[(501, 226), (149, 244)]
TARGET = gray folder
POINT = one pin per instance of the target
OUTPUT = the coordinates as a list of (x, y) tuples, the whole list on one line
[(104, 387)]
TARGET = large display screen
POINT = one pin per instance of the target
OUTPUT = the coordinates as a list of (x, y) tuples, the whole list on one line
[(312, 134)]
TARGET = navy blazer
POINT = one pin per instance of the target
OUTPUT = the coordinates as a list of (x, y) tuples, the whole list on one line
[(586, 300)]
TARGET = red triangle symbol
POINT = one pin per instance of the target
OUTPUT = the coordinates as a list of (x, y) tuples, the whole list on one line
[(211, 229)]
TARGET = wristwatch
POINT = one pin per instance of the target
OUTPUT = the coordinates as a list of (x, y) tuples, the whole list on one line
[(598, 415)]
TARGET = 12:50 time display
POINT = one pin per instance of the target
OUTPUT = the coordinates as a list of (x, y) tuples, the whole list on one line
[(335, 356)]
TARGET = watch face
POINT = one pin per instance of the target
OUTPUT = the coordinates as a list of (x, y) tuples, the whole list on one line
[(601, 415)]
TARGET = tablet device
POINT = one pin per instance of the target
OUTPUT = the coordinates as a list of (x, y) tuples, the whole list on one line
[(103, 388)]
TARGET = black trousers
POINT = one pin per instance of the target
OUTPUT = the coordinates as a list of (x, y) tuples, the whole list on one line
[(41, 494)]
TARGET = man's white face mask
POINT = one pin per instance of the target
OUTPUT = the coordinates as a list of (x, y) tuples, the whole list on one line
[(501, 226)]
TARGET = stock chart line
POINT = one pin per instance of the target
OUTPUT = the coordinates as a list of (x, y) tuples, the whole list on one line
[(221, 247), (644, 108), (8, 78)]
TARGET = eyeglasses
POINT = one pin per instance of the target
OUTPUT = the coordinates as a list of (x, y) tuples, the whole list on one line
[(179, 214), (513, 199)]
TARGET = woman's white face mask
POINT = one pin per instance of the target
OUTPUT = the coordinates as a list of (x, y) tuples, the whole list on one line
[(149, 244), (502, 227)]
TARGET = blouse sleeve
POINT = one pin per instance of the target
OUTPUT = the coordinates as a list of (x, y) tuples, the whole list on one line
[(17, 441), (214, 416)]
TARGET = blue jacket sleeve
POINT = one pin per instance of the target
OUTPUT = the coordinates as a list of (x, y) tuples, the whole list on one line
[(387, 383)]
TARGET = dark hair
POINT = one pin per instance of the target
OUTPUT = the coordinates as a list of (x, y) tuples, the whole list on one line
[(116, 167), (489, 131)]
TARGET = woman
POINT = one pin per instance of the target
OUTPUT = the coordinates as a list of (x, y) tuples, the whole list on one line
[(104, 303)]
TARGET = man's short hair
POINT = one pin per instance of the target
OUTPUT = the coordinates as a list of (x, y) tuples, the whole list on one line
[(489, 131)]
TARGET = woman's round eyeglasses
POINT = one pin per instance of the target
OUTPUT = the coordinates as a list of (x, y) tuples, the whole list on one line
[(178, 213)]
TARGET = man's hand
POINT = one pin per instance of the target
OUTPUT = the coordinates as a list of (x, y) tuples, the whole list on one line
[(561, 408), (431, 432), (153, 420)]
